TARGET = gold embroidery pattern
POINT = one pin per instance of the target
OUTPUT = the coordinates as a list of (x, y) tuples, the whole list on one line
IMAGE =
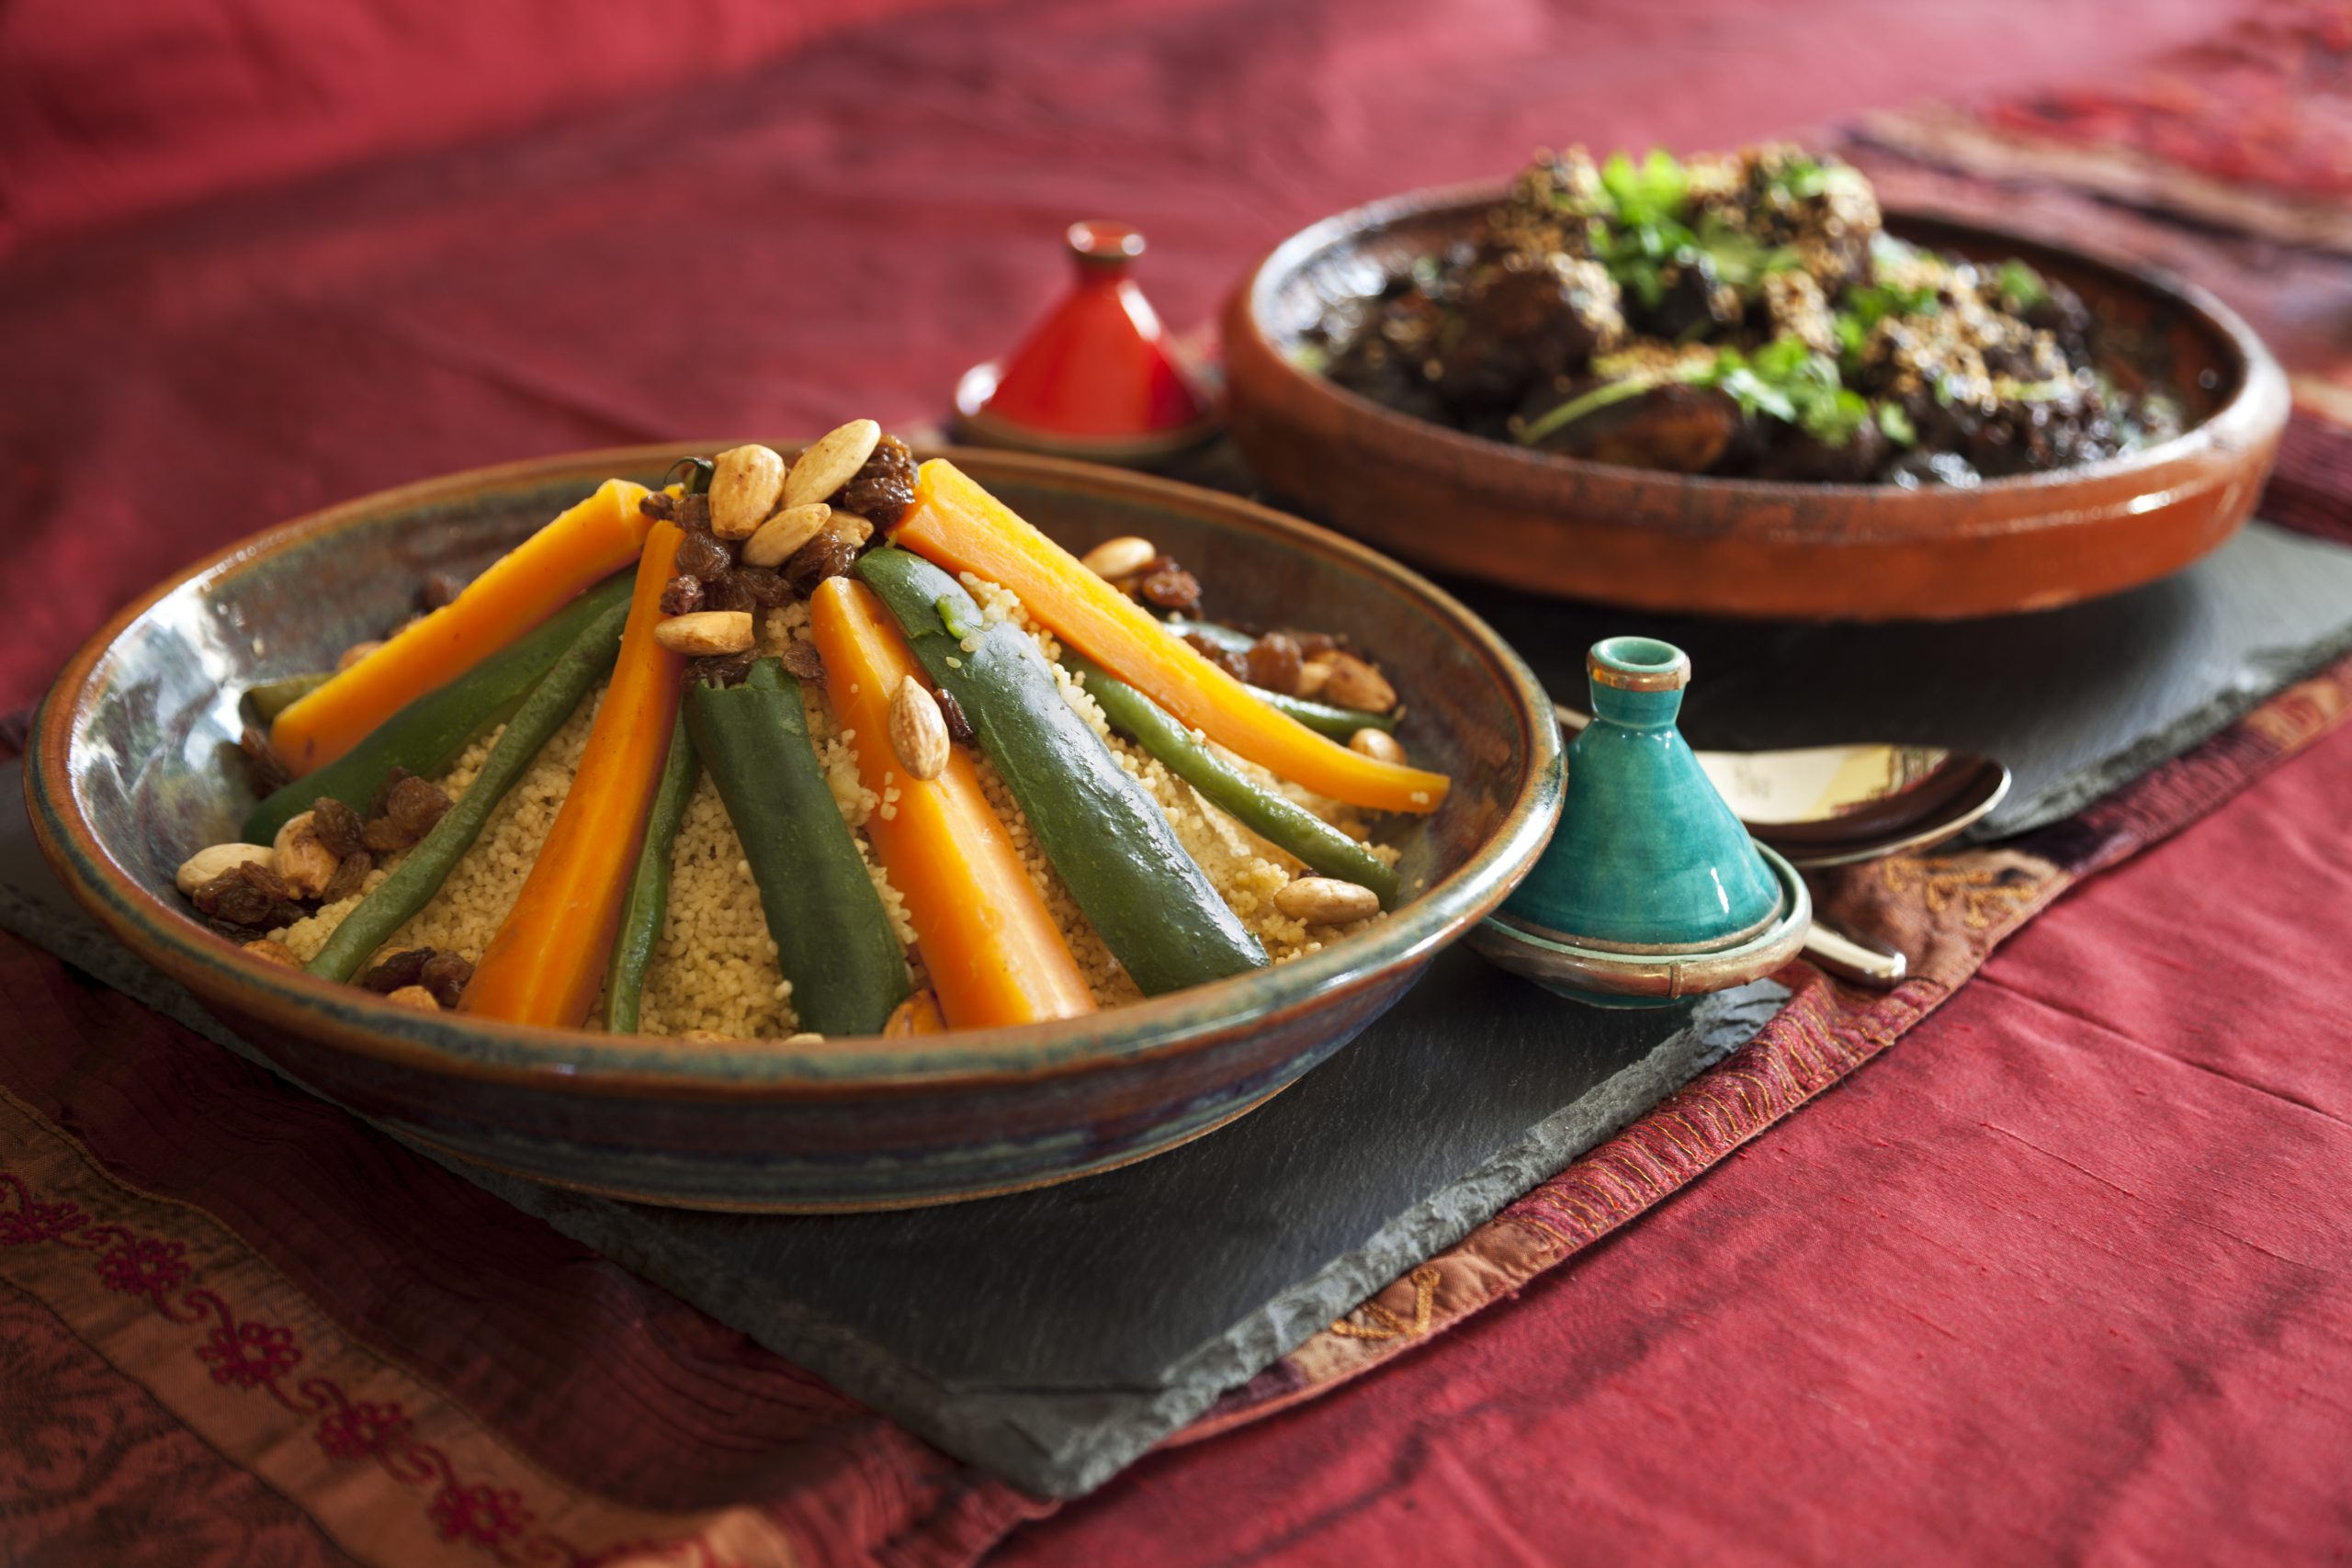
[(1985, 895), (1387, 1324)]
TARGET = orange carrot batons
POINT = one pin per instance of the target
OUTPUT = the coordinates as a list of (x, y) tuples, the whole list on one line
[(962, 528), (994, 954), (548, 957), (516, 592)]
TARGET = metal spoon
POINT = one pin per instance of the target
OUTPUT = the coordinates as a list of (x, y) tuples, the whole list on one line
[(1825, 805)]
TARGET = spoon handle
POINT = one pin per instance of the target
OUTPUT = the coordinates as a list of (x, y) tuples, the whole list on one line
[(1843, 956)]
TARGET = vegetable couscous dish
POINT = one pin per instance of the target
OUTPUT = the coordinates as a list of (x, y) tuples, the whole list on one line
[(832, 747)]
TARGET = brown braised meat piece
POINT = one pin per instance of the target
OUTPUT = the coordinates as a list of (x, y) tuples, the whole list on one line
[(882, 490), (1524, 322), (1678, 428)]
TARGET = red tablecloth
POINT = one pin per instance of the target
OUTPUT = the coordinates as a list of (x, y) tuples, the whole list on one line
[(2064, 1276)]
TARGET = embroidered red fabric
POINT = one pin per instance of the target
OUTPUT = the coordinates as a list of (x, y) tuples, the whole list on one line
[(2062, 1275)]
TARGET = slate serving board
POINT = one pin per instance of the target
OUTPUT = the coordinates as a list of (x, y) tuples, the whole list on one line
[(1053, 1336)]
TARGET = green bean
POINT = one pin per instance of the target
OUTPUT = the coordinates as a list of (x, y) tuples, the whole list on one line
[(1153, 906), (1341, 724), (647, 909), (1274, 818), (413, 884)]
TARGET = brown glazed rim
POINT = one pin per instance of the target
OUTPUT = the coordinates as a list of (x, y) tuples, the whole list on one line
[(348, 1020), (2256, 402)]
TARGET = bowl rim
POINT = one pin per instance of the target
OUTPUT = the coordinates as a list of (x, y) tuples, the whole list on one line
[(344, 1018), (2258, 404)]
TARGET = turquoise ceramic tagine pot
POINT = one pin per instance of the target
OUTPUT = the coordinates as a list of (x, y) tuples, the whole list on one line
[(1651, 889)]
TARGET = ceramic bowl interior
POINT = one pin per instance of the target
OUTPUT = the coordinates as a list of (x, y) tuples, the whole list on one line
[(1657, 540), (135, 767)]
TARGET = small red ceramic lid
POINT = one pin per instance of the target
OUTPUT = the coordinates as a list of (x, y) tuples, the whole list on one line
[(1097, 378)]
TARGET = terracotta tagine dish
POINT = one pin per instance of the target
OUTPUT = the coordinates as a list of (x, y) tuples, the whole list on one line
[(1098, 379)]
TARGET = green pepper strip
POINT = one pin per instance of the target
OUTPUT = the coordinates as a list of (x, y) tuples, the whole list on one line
[(834, 937), (1280, 821), (412, 886), (431, 731), (1149, 901), (274, 697), (647, 909), (1340, 724)]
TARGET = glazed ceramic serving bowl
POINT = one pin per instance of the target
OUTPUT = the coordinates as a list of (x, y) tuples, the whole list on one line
[(1663, 541), (133, 767)]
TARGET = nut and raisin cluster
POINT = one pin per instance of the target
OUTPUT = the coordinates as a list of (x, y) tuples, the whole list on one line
[(1311, 665), (321, 856), (768, 532)]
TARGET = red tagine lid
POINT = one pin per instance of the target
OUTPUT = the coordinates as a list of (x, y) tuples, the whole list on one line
[(1096, 378)]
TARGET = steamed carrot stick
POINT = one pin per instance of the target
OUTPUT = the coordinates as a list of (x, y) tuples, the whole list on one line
[(521, 589), (964, 528), (994, 954), (549, 958)]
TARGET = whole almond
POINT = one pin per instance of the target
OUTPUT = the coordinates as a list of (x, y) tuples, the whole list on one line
[(705, 632), (1353, 683), (302, 858), (355, 653), (1121, 557), (1327, 901), (206, 864), (918, 733), (849, 526), (831, 462), (1377, 744), (416, 997), (745, 483), (781, 535)]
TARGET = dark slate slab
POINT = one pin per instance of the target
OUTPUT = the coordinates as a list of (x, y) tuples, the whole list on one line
[(2074, 700), (1053, 1336)]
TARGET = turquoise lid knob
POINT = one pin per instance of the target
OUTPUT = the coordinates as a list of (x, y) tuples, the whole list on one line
[(1648, 857)]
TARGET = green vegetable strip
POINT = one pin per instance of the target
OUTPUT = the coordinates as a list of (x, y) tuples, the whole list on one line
[(1340, 724), (1279, 821), (431, 732), (647, 909), (412, 886), (834, 939), (1155, 909), (274, 697)]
